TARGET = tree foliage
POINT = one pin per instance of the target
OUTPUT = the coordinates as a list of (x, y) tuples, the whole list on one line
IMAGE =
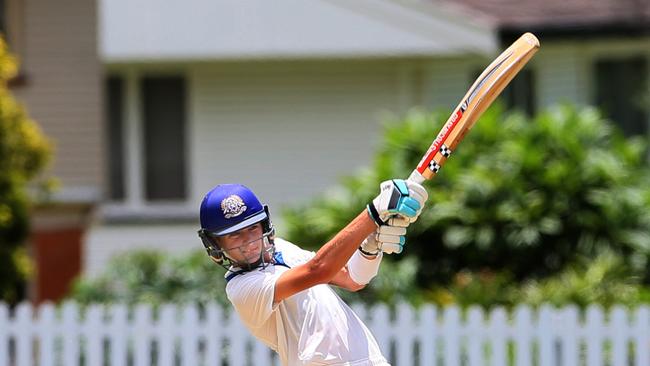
[(24, 152), (523, 197), (152, 277)]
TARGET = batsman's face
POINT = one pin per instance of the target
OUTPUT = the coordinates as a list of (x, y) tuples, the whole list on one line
[(245, 245)]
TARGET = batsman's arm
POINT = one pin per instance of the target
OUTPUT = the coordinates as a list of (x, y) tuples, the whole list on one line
[(328, 261)]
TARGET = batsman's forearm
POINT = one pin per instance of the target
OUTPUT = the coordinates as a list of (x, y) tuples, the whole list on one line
[(334, 255)]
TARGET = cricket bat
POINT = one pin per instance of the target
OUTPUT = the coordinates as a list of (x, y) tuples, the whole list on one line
[(480, 96)]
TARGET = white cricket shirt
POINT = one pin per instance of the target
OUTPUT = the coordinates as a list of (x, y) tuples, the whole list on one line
[(312, 327)]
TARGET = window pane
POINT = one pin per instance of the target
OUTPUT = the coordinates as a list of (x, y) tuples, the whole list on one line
[(520, 92), (114, 114), (164, 137), (621, 85)]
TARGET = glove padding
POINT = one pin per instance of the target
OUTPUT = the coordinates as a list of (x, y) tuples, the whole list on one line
[(398, 197), (389, 238)]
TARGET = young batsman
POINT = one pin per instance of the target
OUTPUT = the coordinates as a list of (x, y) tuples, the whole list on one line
[(282, 293)]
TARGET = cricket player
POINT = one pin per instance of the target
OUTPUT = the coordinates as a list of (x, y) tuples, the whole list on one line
[(282, 293)]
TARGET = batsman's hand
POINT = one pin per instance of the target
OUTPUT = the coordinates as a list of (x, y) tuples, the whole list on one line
[(398, 197), (389, 238)]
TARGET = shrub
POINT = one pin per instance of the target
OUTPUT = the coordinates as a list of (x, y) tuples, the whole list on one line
[(520, 196)]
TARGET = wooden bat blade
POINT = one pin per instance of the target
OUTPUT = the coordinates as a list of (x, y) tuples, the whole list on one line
[(478, 98)]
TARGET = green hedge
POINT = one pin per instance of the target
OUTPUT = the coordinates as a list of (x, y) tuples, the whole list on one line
[(520, 196)]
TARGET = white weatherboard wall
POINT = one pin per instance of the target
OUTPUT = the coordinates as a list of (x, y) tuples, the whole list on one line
[(287, 130)]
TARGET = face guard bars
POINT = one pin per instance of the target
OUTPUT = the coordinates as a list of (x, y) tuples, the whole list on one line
[(220, 256)]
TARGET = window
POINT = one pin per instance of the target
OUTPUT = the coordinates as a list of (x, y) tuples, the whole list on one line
[(3, 17), (620, 88), (163, 100), (114, 109), (520, 93)]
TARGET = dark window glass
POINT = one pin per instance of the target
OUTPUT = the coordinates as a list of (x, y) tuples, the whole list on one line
[(114, 117), (520, 93), (620, 91), (163, 101)]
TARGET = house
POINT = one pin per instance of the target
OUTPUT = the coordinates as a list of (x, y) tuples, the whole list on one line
[(287, 96), (60, 83)]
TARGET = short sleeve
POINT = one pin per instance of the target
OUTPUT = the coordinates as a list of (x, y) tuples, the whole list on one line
[(292, 254), (252, 296)]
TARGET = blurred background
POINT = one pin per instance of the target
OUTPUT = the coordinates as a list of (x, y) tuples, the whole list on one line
[(118, 115)]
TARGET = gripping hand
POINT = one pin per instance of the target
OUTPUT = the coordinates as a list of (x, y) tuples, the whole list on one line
[(398, 197), (389, 238)]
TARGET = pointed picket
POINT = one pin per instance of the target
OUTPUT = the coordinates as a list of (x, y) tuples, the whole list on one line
[(94, 334), (381, 328), (70, 334), (118, 335), (237, 338), (546, 331), (4, 334), (428, 335), (189, 337), (569, 335), (214, 334), (166, 334), (23, 326), (594, 330), (642, 336), (475, 335), (498, 336), (451, 336), (46, 334), (618, 325), (524, 334), (142, 330), (405, 319)]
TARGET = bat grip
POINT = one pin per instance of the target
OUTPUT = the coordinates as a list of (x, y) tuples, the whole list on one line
[(416, 177)]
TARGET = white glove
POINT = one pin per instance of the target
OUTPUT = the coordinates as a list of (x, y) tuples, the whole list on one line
[(389, 238), (398, 197)]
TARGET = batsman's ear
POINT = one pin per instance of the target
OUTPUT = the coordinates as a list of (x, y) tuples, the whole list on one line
[(210, 246)]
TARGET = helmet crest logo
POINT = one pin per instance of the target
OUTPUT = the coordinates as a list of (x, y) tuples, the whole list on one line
[(232, 206)]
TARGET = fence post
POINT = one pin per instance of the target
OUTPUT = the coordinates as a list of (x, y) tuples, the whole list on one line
[(118, 334), (4, 334), (381, 328), (523, 330), (237, 339), (405, 319), (642, 336), (45, 334), (428, 334), (569, 325), (546, 333), (94, 334), (70, 334), (451, 336), (497, 335), (23, 330), (166, 334), (213, 334), (594, 335), (619, 328), (189, 338), (475, 335), (142, 335)]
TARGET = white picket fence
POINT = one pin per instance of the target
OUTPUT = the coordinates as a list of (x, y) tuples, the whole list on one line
[(188, 335)]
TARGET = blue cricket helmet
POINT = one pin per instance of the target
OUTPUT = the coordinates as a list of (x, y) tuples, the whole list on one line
[(227, 208)]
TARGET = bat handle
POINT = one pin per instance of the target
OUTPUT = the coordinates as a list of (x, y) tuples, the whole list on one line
[(416, 177)]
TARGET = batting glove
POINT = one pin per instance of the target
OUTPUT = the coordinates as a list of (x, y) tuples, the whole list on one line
[(389, 238), (398, 197)]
